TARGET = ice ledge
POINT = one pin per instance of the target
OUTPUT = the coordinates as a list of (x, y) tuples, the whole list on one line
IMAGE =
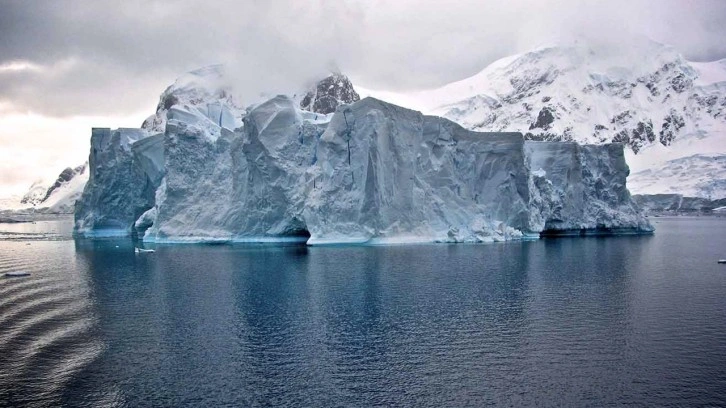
[(595, 232), (225, 240)]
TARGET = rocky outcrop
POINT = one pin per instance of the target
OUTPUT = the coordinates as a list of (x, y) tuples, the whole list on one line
[(328, 94)]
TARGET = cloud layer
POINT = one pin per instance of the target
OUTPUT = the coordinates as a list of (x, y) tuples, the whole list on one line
[(88, 57)]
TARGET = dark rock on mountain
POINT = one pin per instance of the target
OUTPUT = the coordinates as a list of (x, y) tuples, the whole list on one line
[(65, 176), (329, 93), (544, 119)]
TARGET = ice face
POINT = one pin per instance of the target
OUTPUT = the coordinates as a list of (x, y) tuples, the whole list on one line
[(389, 174), (584, 189), (244, 186), (373, 173), (118, 190)]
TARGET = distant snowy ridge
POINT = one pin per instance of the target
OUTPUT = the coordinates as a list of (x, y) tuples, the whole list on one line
[(700, 175), (649, 97), (669, 204), (56, 196)]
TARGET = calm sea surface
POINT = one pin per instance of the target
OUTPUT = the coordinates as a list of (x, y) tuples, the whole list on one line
[(568, 322)]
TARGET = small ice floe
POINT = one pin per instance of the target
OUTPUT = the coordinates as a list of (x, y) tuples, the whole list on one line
[(16, 274), (143, 251), (722, 261)]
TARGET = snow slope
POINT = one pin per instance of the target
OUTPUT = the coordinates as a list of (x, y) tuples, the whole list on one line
[(699, 175), (660, 105), (62, 195), (56, 196)]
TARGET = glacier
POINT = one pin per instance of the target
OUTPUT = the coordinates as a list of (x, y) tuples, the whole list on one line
[(348, 170)]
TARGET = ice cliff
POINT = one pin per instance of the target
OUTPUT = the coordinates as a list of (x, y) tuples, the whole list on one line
[(118, 190), (581, 189), (202, 169), (389, 174)]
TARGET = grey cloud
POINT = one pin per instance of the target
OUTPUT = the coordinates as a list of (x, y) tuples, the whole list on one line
[(123, 54)]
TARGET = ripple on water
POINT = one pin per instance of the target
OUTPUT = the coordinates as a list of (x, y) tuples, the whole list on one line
[(47, 328)]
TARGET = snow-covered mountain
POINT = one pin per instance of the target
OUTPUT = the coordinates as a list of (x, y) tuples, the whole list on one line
[(35, 194), (61, 196), (56, 196), (207, 92), (660, 105), (699, 175)]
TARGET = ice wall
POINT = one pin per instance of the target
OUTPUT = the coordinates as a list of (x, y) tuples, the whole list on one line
[(389, 174), (580, 189), (372, 172), (244, 185), (118, 190)]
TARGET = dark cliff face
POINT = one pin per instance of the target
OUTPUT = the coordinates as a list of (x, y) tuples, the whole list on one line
[(328, 94)]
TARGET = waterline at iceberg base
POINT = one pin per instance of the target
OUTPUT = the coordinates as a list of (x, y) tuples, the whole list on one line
[(371, 172)]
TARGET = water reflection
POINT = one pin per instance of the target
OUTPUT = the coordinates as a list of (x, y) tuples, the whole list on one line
[(574, 321)]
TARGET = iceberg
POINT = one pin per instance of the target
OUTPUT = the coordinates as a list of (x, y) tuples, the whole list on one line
[(369, 172), (245, 185)]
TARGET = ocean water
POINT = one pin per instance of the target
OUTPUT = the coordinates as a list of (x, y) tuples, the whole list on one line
[(555, 322)]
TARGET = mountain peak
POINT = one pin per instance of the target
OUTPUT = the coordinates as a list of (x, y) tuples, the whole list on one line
[(330, 92)]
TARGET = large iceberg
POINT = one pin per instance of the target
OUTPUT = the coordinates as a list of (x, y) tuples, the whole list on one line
[(371, 172)]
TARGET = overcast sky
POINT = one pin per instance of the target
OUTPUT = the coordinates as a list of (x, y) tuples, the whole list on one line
[(68, 65)]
